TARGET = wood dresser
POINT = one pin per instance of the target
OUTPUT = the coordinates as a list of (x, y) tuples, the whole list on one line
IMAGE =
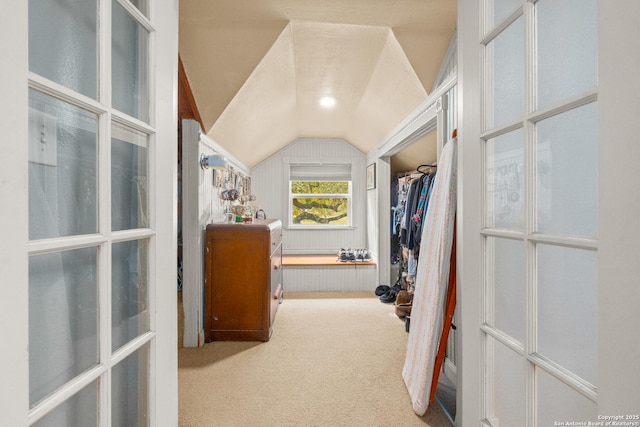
[(243, 280)]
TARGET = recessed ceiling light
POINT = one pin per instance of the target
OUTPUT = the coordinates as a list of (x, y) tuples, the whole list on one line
[(327, 101)]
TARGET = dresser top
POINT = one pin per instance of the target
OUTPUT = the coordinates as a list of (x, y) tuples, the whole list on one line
[(271, 224)]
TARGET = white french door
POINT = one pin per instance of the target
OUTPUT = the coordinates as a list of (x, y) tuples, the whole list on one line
[(537, 203), (540, 165), (95, 256)]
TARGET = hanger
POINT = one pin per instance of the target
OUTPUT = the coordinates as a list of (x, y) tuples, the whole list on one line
[(431, 167)]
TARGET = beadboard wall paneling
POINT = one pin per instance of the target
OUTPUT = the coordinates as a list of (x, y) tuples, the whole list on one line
[(270, 185), (201, 205), (329, 279)]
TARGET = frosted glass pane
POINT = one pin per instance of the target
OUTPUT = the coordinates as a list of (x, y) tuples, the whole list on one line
[(557, 402), (130, 390), (142, 6), (62, 169), (567, 173), (506, 59), (63, 43), (567, 49), (505, 181), (130, 291), (508, 385), (567, 309), (504, 8), (63, 318), (506, 269), (80, 410), (129, 64), (129, 179)]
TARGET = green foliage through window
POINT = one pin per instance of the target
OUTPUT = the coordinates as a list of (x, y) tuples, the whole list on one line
[(320, 187), (320, 202)]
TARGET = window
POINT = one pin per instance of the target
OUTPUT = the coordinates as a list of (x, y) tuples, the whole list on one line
[(319, 195)]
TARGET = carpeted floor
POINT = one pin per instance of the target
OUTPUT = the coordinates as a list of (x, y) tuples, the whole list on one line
[(334, 359)]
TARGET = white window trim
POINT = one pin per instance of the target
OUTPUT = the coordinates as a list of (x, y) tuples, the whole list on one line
[(287, 223)]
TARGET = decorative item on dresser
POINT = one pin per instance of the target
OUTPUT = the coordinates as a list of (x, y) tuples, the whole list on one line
[(243, 280)]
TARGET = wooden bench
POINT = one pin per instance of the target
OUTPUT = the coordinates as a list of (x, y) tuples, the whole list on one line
[(319, 260)]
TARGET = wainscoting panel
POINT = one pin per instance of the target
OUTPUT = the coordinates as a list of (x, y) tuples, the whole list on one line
[(201, 205), (329, 279)]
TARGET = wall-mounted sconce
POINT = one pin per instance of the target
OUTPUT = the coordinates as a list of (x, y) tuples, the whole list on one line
[(214, 161)]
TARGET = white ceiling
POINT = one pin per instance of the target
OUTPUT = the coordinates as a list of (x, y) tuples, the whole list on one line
[(257, 68)]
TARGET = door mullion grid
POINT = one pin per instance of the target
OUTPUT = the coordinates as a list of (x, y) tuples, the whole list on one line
[(63, 93), (152, 171), (487, 367), (105, 278), (487, 309), (488, 253), (530, 91), (152, 192), (486, 69), (136, 14), (104, 168), (564, 375), (50, 403)]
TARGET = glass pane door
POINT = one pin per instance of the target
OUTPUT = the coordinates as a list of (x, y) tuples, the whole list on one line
[(540, 211), (90, 220)]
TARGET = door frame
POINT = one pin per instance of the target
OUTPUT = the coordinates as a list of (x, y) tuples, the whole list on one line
[(429, 116), (14, 391)]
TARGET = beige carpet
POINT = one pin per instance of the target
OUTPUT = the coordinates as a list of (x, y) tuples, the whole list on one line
[(334, 359)]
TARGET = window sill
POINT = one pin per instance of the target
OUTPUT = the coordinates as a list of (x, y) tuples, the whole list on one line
[(319, 228)]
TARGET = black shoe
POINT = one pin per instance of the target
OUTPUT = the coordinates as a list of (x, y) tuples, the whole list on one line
[(382, 289), (389, 296)]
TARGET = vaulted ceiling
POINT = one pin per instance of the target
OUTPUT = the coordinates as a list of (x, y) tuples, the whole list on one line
[(258, 68)]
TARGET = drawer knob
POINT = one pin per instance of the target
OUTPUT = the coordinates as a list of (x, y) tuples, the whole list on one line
[(278, 292)]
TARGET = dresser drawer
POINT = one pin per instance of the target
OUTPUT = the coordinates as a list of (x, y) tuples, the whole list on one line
[(276, 239)]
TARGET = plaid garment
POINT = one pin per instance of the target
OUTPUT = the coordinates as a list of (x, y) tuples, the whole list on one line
[(422, 201)]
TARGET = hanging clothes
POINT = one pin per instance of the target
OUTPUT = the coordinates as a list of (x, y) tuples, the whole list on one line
[(411, 202), (431, 282), (399, 188), (418, 216)]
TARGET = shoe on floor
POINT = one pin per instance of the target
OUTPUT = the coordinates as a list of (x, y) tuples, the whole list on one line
[(382, 289), (389, 296)]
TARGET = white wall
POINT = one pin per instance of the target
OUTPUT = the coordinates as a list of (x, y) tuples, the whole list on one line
[(270, 185), (201, 205)]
